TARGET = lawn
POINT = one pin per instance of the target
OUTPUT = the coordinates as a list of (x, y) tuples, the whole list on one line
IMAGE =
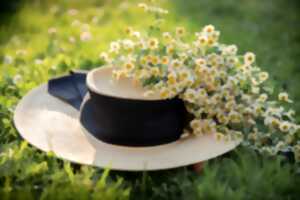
[(42, 39)]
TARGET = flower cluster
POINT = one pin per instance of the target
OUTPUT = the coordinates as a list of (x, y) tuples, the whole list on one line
[(224, 91)]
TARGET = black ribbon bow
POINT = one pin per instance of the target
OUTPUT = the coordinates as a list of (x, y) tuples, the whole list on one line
[(70, 88)]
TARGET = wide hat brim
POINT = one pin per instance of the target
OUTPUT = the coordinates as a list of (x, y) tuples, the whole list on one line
[(53, 125)]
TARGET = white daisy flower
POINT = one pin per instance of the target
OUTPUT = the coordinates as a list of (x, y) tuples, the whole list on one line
[(85, 36), (283, 96), (249, 58)]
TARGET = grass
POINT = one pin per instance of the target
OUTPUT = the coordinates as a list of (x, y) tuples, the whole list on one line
[(268, 28)]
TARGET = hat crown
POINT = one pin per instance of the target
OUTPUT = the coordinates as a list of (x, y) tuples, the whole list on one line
[(101, 81)]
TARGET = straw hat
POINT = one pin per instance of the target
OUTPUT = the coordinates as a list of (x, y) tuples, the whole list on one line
[(54, 124)]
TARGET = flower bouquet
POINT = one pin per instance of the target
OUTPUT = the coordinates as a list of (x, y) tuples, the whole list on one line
[(224, 92)]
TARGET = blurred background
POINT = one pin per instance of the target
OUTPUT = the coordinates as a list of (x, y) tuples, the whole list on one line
[(40, 39)]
